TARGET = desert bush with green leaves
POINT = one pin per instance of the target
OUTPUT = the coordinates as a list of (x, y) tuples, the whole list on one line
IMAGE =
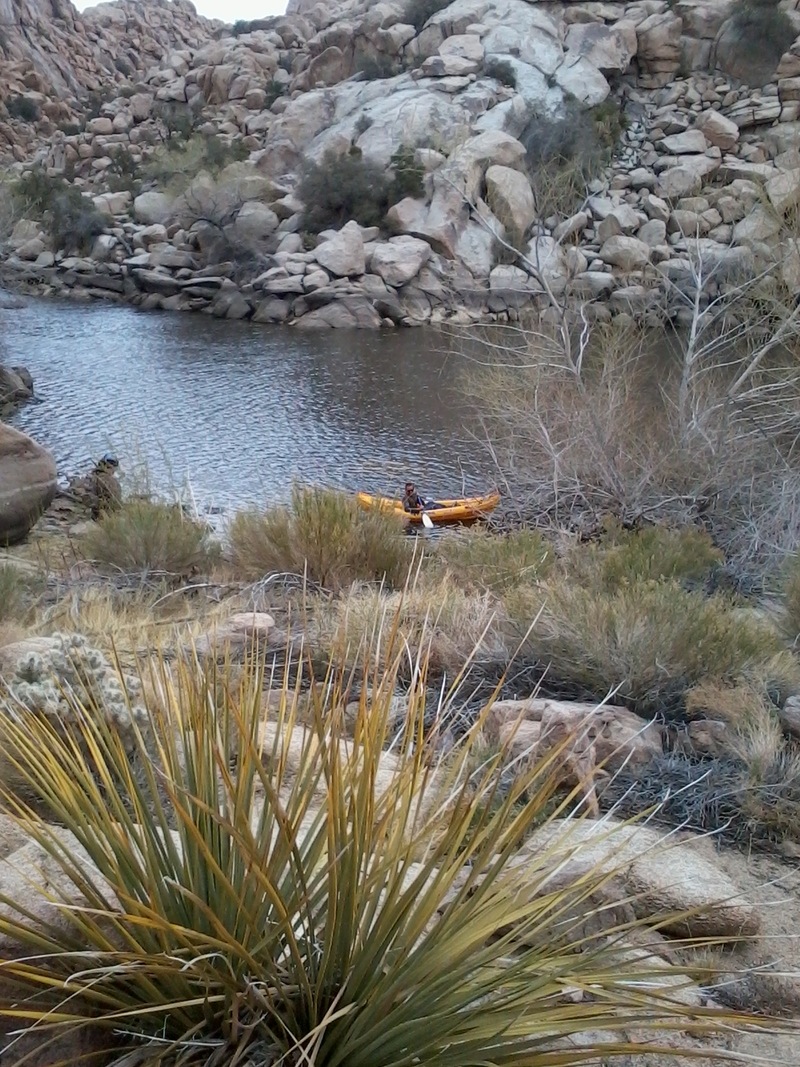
[(71, 218), (484, 560), (175, 164), (763, 31), (149, 536), (650, 554), (324, 536), (290, 894), (647, 641)]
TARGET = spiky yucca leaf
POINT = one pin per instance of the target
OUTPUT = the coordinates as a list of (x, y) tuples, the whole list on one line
[(254, 889)]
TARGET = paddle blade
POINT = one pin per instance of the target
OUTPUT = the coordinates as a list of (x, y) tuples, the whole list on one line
[(427, 521)]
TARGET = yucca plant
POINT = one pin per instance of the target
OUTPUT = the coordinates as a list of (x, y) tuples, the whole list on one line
[(271, 893)]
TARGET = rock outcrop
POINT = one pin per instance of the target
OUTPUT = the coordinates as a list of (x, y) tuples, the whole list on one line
[(27, 483), (703, 169)]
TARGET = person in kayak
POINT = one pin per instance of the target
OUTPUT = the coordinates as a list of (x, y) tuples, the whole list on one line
[(412, 501)]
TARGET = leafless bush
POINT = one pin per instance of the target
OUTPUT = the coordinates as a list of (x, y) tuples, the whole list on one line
[(699, 423)]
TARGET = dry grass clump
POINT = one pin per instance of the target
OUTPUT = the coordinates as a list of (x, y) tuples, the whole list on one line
[(648, 641), (15, 588), (326, 537), (480, 559), (297, 901), (790, 599), (150, 537), (449, 624)]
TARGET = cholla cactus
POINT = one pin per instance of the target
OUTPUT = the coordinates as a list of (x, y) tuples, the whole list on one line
[(71, 673)]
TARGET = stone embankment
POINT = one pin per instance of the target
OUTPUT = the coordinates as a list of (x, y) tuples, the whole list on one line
[(703, 181)]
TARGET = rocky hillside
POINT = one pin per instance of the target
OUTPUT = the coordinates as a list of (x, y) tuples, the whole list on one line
[(365, 163)]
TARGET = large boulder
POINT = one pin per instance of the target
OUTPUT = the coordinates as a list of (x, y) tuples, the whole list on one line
[(343, 253), (28, 482), (152, 208), (676, 882), (511, 197), (400, 259), (609, 48)]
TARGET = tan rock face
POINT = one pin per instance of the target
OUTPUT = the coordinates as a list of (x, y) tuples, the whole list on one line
[(27, 483)]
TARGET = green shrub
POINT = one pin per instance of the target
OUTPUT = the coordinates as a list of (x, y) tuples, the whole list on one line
[(341, 188), (23, 108), (565, 153), (408, 176), (648, 640), (418, 12), (501, 70), (123, 174), (149, 536), (377, 68), (177, 119), (69, 129), (480, 559), (323, 535), (653, 553), (274, 90), (763, 31), (174, 165), (790, 599), (282, 893), (72, 219)]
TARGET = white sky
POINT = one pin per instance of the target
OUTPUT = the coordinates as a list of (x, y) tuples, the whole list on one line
[(226, 10)]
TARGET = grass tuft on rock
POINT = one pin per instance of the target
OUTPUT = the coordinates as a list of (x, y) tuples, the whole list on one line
[(324, 536), (291, 894)]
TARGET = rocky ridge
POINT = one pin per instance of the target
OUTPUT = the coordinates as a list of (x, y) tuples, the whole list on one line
[(706, 173)]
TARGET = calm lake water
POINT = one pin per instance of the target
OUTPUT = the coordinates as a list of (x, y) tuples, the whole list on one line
[(239, 412)]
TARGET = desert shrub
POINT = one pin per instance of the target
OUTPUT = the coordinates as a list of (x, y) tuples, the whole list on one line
[(501, 70), (69, 129), (123, 66), (274, 89), (13, 589), (762, 31), (753, 808), (408, 176), (647, 640), (72, 219), (341, 188), (418, 12), (178, 120), (565, 153), (23, 108), (123, 174), (790, 601), (480, 559), (378, 67), (323, 535), (150, 536), (652, 553), (437, 620), (294, 891), (175, 164), (239, 27)]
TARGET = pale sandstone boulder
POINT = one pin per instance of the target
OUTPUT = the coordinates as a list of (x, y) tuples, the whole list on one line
[(400, 259), (343, 254), (28, 482), (658, 48), (152, 208), (608, 48), (511, 197), (717, 129), (784, 190), (627, 253), (239, 634), (663, 875)]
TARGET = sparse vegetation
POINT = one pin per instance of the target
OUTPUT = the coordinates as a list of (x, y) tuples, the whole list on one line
[(72, 219), (377, 67), (343, 187), (146, 536), (762, 31), (501, 70), (480, 559), (174, 165), (418, 12), (22, 108), (323, 535)]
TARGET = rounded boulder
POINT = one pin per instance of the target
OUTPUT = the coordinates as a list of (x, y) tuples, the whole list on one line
[(28, 482)]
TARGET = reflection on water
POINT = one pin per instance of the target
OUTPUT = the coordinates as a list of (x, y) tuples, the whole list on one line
[(239, 411)]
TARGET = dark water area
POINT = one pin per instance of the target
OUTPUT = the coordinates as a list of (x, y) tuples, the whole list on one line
[(233, 414)]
